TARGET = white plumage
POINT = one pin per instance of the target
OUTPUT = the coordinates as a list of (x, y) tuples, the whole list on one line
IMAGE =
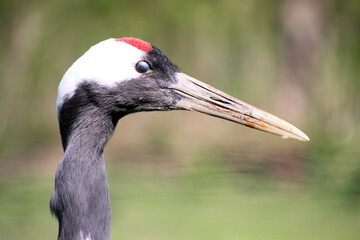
[(107, 63)]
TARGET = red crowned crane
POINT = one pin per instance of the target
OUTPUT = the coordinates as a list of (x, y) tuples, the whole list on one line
[(112, 79)]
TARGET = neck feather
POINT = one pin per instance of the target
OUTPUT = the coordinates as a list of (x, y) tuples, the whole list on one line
[(81, 196)]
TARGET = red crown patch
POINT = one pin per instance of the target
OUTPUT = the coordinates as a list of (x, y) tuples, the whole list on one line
[(135, 42)]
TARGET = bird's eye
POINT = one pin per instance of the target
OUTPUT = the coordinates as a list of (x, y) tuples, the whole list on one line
[(142, 67)]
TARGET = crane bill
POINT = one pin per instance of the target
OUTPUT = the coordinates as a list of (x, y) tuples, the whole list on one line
[(201, 97)]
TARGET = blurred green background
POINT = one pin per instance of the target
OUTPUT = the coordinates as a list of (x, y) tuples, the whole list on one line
[(183, 175)]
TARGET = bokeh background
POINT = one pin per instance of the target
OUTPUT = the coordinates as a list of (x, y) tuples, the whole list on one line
[(183, 175)]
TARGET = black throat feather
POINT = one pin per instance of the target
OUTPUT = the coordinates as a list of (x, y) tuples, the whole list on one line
[(80, 199)]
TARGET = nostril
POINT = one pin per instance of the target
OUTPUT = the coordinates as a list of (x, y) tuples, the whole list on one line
[(219, 100)]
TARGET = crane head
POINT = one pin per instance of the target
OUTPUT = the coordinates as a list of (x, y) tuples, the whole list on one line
[(127, 75)]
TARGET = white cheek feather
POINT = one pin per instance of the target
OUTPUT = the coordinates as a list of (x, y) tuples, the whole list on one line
[(106, 63)]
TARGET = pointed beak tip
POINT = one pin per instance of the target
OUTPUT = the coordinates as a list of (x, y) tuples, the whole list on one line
[(301, 137), (306, 138)]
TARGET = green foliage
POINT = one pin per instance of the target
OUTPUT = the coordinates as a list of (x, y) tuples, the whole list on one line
[(193, 205)]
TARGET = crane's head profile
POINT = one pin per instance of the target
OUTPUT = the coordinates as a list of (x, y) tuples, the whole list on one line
[(127, 75)]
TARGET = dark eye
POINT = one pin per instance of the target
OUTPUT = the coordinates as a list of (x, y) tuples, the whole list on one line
[(142, 67)]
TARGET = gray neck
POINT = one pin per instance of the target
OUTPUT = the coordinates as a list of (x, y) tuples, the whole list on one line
[(81, 197)]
